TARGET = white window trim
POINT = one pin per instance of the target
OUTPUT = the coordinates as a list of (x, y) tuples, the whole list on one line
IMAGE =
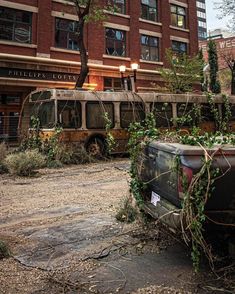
[(57, 49), (178, 39), (116, 26), (64, 15), (150, 33), (179, 29), (12, 43), (116, 57), (64, 2), (150, 22), (117, 14), (19, 6), (151, 62), (178, 3)]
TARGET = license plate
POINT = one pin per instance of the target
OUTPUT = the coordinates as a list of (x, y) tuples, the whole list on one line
[(155, 198)]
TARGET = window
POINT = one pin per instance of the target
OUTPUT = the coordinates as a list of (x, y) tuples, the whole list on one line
[(163, 113), (178, 16), (131, 112), (120, 5), (149, 10), (69, 114), (66, 34), (95, 114), (115, 42), (201, 5), (15, 25), (46, 114), (202, 24), (202, 34), (10, 99), (112, 84), (149, 48), (201, 14), (179, 47)]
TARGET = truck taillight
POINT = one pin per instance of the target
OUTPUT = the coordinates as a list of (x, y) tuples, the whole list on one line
[(184, 179)]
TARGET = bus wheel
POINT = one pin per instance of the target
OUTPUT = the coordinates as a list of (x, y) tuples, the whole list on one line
[(96, 148)]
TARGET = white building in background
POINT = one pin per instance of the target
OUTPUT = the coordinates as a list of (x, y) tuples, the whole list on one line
[(220, 33)]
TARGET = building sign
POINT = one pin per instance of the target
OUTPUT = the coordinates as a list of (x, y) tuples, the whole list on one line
[(221, 44), (29, 74)]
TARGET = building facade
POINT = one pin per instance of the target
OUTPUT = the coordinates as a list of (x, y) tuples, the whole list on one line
[(201, 15), (38, 46), (226, 56)]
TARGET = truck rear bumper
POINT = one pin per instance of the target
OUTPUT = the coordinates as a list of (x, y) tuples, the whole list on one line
[(171, 216)]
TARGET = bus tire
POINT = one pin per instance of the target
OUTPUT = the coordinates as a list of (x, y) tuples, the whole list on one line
[(96, 148)]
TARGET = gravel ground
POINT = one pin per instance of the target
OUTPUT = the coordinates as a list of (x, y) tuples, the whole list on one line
[(62, 232)]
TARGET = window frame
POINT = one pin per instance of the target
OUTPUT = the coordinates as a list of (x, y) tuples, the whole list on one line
[(122, 8), (116, 41), (14, 22), (148, 9), (157, 48), (178, 15), (58, 30), (68, 107), (178, 52), (112, 88), (136, 108), (98, 103)]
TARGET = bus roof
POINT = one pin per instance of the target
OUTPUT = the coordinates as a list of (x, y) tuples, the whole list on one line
[(123, 96)]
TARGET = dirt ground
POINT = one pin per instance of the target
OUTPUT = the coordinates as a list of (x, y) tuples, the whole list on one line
[(60, 226)]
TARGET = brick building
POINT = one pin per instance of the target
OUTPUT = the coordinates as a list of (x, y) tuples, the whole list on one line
[(38, 46), (225, 50)]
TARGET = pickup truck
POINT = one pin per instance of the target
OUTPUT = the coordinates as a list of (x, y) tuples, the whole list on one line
[(164, 196)]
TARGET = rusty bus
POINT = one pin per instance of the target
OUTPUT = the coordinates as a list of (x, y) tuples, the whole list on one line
[(81, 114)]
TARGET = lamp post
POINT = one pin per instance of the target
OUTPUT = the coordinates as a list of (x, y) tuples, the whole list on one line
[(128, 83), (122, 69)]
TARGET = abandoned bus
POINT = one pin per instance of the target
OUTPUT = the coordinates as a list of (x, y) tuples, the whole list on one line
[(81, 114)]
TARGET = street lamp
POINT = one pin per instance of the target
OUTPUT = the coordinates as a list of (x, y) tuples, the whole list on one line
[(134, 67), (128, 83), (122, 69)]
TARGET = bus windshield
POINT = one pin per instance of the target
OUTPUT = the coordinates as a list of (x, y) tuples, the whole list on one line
[(41, 95)]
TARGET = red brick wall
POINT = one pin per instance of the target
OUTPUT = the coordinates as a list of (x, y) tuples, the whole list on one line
[(44, 27)]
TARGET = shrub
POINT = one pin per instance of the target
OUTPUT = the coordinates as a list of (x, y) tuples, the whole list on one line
[(81, 156), (3, 154), (3, 151), (64, 154), (54, 164), (127, 212), (24, 163)]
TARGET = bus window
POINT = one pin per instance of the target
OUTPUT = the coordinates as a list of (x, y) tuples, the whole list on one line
[(46, 115), (95, 114), (69, 114), (188, 114), (206, 114), (162, 113), (131, 112)]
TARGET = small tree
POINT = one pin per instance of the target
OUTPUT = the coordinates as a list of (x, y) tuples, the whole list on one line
[(182, 72), (213, 62), (229, 58), (88, 11)]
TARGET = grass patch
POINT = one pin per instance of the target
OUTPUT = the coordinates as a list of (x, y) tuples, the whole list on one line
[(127, 212), (24, 163)]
